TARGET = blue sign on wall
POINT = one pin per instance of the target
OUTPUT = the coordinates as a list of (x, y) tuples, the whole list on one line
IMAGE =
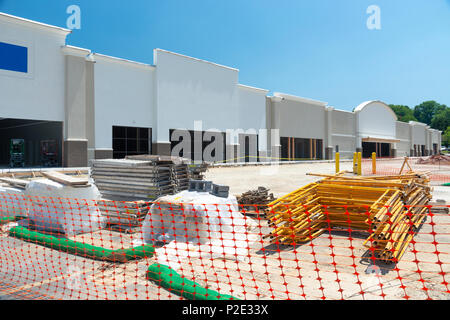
[(13, 58)]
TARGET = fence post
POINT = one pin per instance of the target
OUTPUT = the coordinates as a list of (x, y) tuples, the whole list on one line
[(374, 163), (337, 163), (359, 163)]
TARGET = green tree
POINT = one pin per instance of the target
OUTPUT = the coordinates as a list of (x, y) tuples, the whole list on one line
[(441, 120), (425, 111), (404, 113), (446, 137)]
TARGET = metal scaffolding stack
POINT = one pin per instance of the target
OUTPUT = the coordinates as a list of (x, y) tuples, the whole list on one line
[(389, 208), (180, 177), (140, 177)]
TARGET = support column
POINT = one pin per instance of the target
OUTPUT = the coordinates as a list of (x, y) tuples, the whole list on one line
[(328, 143), (75, 153), (232, 151), (276, 152), (329, 153), (394, 153), (161, 148), (103, 154), (75, 124)]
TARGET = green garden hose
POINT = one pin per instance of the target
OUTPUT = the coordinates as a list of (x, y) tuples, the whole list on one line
[(168, 278), (5, 220), (82, 249)]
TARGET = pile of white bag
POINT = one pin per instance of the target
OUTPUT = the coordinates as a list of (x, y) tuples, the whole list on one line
[(213, 225), (12, 202), (53, 206)]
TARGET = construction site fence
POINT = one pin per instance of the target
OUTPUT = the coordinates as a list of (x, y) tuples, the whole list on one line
[(192, 252), (439, 172)]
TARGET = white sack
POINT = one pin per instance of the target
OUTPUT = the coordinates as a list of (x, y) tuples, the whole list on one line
[(13, 202), (212, 223), (59, 207)]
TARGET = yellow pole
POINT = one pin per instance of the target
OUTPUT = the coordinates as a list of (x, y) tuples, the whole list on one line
[(374, 163), (354, 162), (337, 163), (359, 163)]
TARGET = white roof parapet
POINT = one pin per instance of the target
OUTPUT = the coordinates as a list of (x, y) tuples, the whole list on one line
[(98, 56), (253, 88), (299, 99), (416, 123), (366, 103), (195, 59), (75, 51), (30, 23)]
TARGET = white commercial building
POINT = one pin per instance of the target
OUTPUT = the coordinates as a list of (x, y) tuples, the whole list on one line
[(96, 106)]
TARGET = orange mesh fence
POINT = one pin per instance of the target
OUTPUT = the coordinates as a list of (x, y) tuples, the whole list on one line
[(77, 249), (439, 171)]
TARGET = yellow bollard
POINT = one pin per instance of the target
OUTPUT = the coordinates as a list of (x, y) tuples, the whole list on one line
[(337, 163), (354, 162), (359, 163), (374, 163)]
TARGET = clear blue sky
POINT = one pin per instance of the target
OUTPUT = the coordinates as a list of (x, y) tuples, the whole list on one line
[(318, 49)]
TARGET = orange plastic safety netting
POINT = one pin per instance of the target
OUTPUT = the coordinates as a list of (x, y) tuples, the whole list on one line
[(439, 171), (77, 249)]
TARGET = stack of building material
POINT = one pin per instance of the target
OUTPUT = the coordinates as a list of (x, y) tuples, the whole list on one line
[(140, 177), (132, 179), (180, 177), (177, 166), (124, 215), (435, 159), (389, 208), (74, 182), (20, 179), (197, 171), (255, 199)]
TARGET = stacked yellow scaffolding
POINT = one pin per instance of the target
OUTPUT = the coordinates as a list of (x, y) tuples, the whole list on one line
[(389, 208)]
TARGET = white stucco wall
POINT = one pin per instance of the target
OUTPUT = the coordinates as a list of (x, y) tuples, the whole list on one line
[(419, 133), (343, 122), (435, 135), (299, 119), (124, 96), (343, 132), (403, 134), (190, 90), (251, 108), (39, 94)]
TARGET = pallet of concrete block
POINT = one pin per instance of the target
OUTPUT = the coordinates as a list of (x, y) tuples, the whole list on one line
[(124, 214)]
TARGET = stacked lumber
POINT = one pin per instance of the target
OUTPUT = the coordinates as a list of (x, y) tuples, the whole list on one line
[(125, 214), (139, 179), (67, 180), (255, 199), (20, 179), (16, 183), (389, 208)]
